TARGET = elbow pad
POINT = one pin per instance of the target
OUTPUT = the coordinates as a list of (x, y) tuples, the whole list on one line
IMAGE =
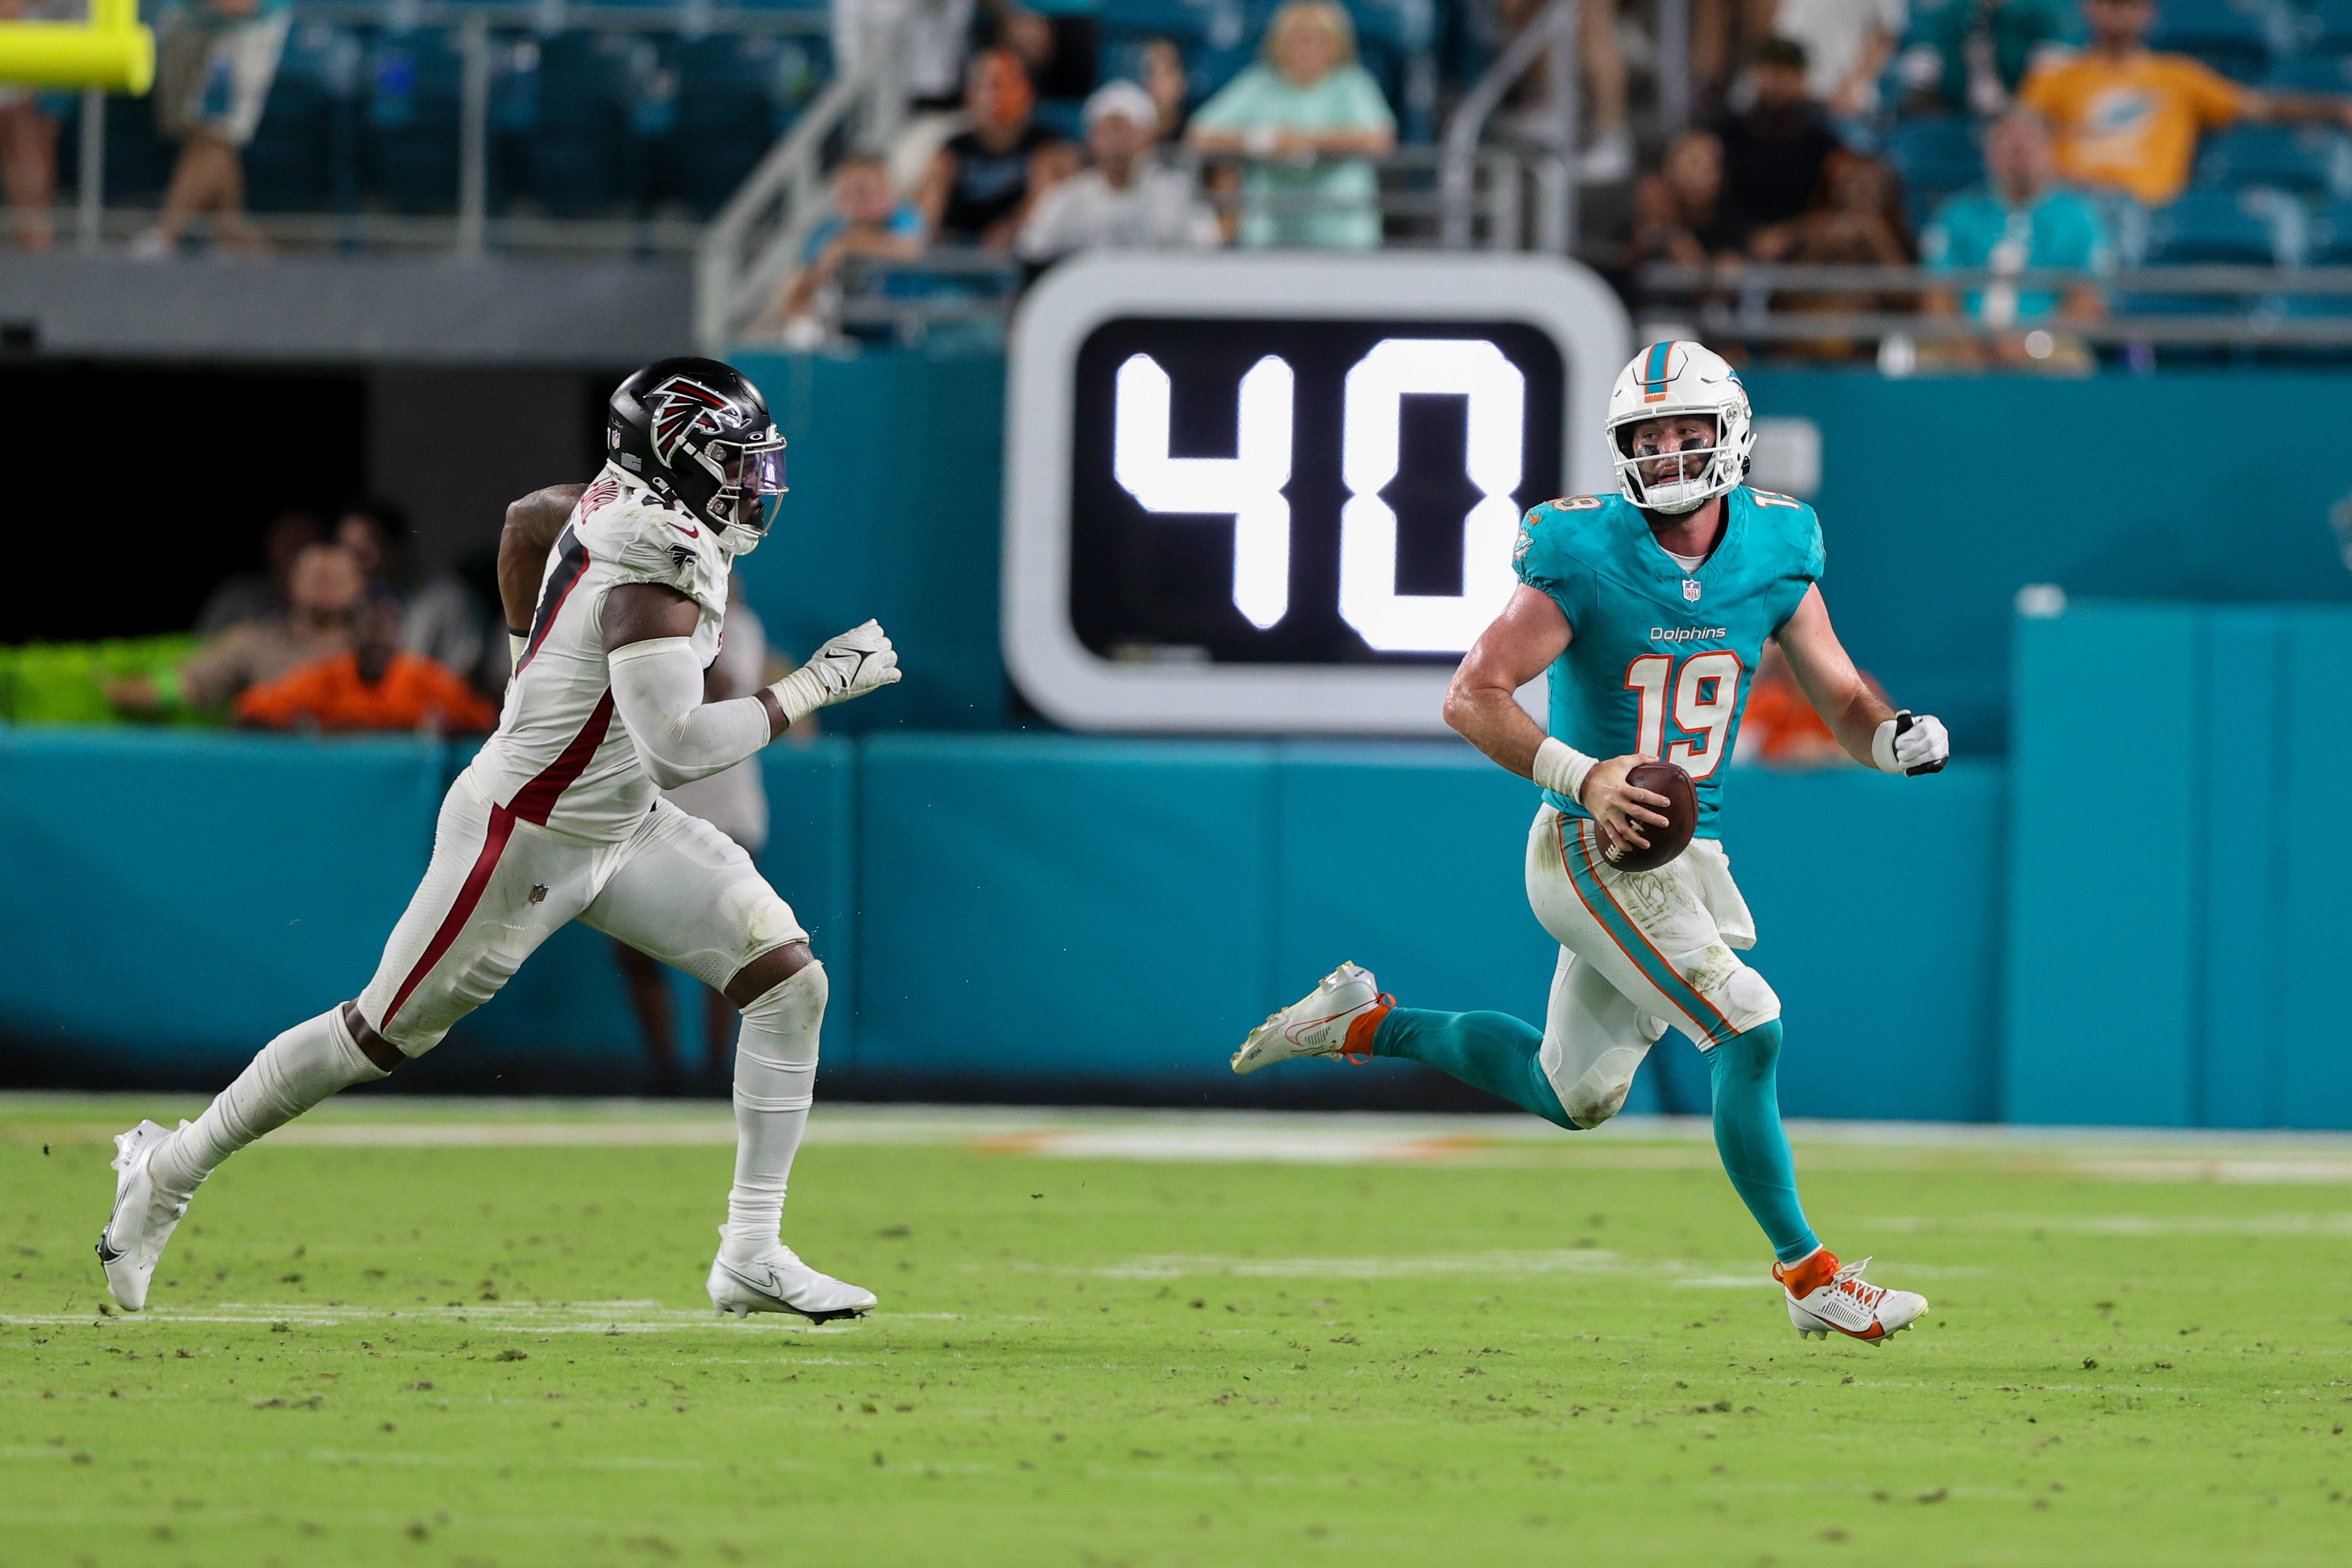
[(658, 690)]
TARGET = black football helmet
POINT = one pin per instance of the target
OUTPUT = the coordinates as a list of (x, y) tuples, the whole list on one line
[(698, 433)]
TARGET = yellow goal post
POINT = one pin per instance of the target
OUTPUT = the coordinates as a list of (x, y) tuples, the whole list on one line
[(111, 52)]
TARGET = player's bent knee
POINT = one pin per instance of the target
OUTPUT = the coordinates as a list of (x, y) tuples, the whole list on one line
[(1748, 1002), (1600, 1093), (372, 1045), (768, 971)]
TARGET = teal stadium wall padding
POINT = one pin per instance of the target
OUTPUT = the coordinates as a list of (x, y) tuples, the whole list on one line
[(2180, 841)]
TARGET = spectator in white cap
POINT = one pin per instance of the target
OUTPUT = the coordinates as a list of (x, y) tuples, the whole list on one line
[(1125, 198)]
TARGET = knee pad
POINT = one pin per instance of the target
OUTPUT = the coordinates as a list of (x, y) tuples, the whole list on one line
[(1600, 1094), (1748, 1002)]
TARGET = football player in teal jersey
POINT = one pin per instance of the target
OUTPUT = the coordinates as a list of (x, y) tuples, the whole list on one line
[(1650, 608)]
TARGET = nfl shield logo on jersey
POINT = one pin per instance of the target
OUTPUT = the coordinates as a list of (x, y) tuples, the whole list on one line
[(1690, 590)]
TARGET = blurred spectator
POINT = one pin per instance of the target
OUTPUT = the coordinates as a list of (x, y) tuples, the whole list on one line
[(1680, 214), (980, 185), (1847, 44), (1859, 223), (2022, 219), (735, 802), (1774, 154), (867, 220), (28, 140), (935, 37), (455, 619), (1165, 79), (1058, 40), (1723, 33), (1969, 57), (321, 591), (1310, 121), (376, 534), (2129, 117), (374, 685), (1124, 200), (1780, 727), (1608, 155), (259, 596), (215, 60)]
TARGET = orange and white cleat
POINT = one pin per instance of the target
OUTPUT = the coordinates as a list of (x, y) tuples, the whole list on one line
[(1822, 1296), (1318, 1024)]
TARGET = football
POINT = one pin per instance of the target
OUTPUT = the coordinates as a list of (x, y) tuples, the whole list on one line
[(1682, 818)]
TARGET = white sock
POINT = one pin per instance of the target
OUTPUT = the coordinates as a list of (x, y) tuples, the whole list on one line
[(775, 1079), (291, 1074)]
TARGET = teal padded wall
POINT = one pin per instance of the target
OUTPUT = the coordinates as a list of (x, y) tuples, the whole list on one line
[(2180, 841), (896, 463)]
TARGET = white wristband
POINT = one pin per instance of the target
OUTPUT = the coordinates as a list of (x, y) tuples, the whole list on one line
[(799, 694), (1560, 768), (515, 645)]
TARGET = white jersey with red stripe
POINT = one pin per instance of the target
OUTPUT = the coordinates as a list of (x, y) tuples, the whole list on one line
[(562, 757)]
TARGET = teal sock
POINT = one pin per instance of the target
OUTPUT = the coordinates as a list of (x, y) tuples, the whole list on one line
[(1747, 1134), (1492, 1051)]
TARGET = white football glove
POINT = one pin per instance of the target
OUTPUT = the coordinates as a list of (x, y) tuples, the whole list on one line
[(1909, 743), (858, 661)]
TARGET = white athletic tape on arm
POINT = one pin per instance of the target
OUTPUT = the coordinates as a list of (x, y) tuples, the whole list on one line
[(657, 687), (1560, 768)]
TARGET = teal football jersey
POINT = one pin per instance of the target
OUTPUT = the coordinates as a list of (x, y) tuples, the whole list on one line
[(1660, 659)]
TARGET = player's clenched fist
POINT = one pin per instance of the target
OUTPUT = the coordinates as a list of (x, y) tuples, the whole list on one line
[(858, 661), (1909, 743)]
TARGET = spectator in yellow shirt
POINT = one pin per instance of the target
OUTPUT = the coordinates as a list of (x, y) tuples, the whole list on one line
[(2129, 118)]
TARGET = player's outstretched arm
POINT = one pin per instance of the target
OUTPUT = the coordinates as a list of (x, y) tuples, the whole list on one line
[(657, 685), (1483, 704), (532, 524), (1872, 733)]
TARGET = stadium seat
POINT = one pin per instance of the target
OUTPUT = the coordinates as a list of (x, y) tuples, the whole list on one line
[(409, 126), (2219, 228), (2311, 72), (575, 159), (2327, 236), (1935, 158), (2306, 160), (736, 92), (2326, 29), (2236, 37), (301, 157)]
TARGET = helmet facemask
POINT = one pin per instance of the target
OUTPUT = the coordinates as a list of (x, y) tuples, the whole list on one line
[(1679, 474), (750, 475)]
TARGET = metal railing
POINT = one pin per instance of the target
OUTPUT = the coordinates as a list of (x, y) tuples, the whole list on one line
[(1551, 37), (472, 231), (1765, 304), (754, 243)]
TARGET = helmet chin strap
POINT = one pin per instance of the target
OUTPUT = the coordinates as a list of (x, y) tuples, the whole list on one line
[(1676, 509)]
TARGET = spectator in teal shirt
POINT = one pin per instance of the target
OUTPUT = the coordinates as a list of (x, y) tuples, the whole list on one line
[(1311, 120), (2021, 220)]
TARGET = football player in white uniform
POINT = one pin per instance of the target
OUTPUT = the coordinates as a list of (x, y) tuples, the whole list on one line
[(561, 818)]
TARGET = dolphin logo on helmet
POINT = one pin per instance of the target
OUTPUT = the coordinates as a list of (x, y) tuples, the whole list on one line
[(1678, 378)]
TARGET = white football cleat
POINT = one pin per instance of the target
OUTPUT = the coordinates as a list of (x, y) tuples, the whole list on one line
[(1823, 1296), (1317, 1024), (780, 1282), (132, 1242)]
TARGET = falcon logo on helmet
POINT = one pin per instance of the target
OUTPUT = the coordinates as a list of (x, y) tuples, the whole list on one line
[(1664, 383), (679, 409), (696, 434)]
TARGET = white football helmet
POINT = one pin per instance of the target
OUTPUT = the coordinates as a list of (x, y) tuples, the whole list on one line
[(1680, 378)]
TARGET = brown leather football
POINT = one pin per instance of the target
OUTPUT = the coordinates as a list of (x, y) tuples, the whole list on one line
[(1682, 818)]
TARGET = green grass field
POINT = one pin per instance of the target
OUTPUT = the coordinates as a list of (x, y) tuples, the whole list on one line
[(466, 1334)]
